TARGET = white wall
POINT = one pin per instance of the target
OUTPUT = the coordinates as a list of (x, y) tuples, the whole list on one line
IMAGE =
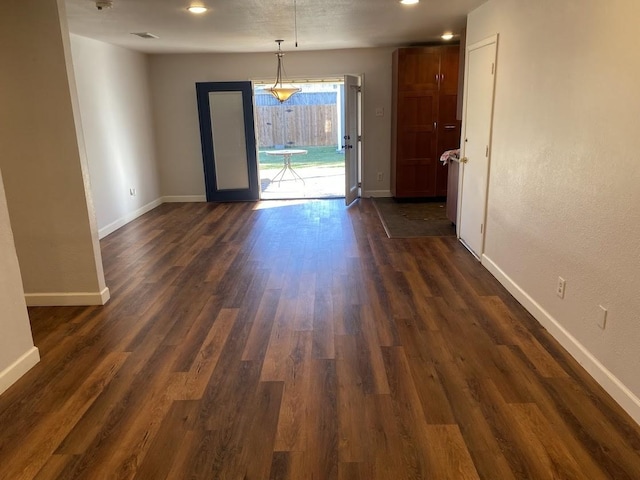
[(17, 353), (43, 160), (115, 108), (565, 178), (173, 79)]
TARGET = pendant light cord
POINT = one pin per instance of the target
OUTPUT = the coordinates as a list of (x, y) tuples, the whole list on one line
[(279, 72), (295, 20)]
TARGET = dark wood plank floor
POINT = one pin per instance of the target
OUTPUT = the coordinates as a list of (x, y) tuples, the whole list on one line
[(296, 341)]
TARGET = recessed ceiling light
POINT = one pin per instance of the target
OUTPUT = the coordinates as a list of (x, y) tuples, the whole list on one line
[(447, 36), (197, 9), (409, 2)]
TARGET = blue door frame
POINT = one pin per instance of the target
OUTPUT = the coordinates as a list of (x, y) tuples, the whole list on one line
[(208, 148)]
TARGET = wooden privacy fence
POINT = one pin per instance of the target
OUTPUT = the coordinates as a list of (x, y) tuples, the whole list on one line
[(302, 125)]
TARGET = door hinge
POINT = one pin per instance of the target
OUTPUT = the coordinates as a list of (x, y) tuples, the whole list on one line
[(359, 184), (493, 68), (359, 138), (482, 228), (486, 153)]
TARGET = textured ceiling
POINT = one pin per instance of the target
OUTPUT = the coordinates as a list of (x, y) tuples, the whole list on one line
[(253, 25)]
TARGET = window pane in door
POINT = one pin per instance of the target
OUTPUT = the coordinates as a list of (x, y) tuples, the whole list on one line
[(229, 142)]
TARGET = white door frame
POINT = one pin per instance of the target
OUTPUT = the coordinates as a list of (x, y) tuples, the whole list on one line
[(340, 141), (482, 43), (352, 139)]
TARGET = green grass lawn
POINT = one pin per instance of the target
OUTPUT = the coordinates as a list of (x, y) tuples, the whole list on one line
[(315, 157)]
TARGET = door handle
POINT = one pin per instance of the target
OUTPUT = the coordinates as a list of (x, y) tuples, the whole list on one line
[(464, 160)]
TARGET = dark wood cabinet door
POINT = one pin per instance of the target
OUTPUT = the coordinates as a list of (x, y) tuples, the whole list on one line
[(418, 69), (449, 69), (448, 137), (448, 125)]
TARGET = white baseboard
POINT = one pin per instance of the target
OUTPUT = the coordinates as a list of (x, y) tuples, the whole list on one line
[(121, 222), (112, 227), (184, 198), (67, 299), (17, 369), (376, 193), (614, 387)]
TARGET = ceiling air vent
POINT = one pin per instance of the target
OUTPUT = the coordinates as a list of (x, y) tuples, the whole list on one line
[(144, 35), (102, 4)]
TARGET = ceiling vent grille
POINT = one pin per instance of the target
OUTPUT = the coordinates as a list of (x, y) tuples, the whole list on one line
[(102, 4), (144, 35)]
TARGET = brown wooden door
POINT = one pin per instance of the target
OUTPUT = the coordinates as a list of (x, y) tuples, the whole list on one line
[(424, 119), (416, 82), (417, 135)]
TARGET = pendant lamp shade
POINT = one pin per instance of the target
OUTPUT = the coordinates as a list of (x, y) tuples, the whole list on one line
[(279, 90)]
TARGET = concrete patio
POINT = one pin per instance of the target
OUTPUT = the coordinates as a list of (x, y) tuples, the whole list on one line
[(319, 182)]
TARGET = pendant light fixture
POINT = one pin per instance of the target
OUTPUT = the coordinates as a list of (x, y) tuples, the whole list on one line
[(279, 90)]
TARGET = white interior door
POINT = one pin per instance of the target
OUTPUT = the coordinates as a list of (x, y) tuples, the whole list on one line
[(476, 147), (351, 137)]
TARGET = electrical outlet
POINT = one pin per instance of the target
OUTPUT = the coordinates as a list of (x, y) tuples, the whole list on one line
[(602, 317), (380, 176), (562, 283)]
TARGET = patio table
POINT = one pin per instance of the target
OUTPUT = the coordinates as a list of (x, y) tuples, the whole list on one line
[(286, 157)]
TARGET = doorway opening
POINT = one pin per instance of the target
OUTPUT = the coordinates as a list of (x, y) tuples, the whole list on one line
[(300, 141)]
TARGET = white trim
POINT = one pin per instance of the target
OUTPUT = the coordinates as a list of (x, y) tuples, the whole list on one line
[(121, 222), (67, 299), (17, 369), (129, 217), (483, 43), (361, 147), (376, 193), (614, 387), (184, 198)]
